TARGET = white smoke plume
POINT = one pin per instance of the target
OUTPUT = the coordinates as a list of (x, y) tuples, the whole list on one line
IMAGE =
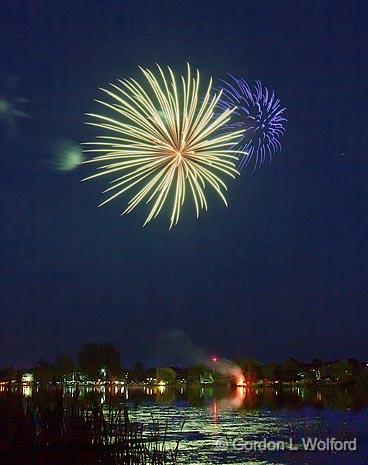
[(176, 348)]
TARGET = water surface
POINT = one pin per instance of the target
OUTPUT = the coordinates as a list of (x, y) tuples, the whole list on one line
[(255, 416)]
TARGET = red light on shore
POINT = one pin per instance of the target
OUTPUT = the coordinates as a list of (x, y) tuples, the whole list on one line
[(214, 359)]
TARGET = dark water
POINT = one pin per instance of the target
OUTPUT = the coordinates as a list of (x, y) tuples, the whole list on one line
[(254, 418), (218, 426)]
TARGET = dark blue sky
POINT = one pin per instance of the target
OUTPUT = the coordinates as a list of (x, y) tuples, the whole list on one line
[(282, 272)]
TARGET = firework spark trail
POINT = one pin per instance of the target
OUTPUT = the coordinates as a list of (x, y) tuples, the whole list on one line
[(260, 114), (161, 141)]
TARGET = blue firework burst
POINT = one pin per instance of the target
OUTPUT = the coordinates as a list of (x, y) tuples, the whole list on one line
[(262, 116)]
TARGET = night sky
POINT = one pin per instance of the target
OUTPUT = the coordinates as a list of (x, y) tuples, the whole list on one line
[(281, 272)]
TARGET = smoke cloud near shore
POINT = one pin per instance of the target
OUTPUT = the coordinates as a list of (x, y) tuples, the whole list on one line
[(176, 348), (228, 368)]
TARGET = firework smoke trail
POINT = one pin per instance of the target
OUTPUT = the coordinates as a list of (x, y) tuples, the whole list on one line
[(177, 347), (160, 142), (260, 114)]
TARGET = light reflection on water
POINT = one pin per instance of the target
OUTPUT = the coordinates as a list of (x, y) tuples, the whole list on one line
[(209, 417), (254, 415), (27, 390), (251, 414)]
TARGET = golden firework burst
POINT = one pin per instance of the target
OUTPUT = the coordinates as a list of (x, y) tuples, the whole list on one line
[(163, 142)]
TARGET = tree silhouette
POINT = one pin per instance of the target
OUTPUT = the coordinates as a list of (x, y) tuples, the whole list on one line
[(92, 358)]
